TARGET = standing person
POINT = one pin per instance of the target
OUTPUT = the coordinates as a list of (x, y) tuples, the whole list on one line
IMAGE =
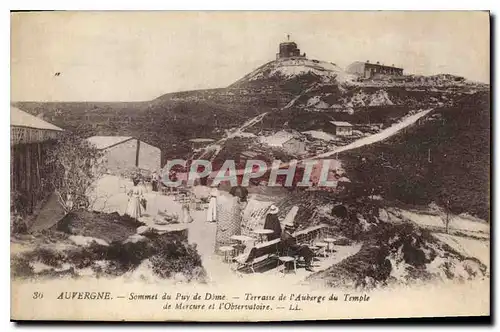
[(228, 219), (272, 222), (159, 181), (185, 216), (134, 202), (154, 181), (212, 205)]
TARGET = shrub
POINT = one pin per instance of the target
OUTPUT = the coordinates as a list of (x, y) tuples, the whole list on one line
[(168, 254), (20, 268), (18, 225), (176, 257), (129, 255), (46, 256)]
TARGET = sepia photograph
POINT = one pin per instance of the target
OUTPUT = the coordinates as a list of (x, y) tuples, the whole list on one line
[(249, 165)]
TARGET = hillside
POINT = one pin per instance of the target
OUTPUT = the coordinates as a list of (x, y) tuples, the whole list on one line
[(447, 157), (167, 122), (412, 141), (297, 94), (174, 118), (286, 73)]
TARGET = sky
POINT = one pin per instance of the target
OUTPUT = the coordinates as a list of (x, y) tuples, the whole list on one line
[(138, 56)]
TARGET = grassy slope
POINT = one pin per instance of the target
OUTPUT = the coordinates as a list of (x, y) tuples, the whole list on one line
[(168, 121), (459, 144)]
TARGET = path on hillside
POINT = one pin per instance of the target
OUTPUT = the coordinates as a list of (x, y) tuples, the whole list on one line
[(384, 134), (217, 146), (468, 235), (292, 102)]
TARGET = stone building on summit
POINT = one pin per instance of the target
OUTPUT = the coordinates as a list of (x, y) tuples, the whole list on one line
[(289, 49), (369, 70)]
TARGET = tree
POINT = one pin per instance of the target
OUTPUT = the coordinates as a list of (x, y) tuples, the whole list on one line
[(447, 215), (75, 164), (444, 212)]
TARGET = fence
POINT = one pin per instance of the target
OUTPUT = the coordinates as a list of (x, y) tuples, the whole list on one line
[(28, 176)]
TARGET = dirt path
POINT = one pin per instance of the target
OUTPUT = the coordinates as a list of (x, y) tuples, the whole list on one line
[(384, 134), (467, 247), (217, 146), (468, 236)]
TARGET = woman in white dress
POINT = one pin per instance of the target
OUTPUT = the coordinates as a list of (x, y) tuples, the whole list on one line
[(212, 205), (134, 201), (185, 216)]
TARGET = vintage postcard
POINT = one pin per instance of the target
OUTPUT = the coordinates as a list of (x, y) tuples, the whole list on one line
[(249, 166)]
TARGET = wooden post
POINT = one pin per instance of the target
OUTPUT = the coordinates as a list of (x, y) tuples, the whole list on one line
[(29, 184), (137, 153)]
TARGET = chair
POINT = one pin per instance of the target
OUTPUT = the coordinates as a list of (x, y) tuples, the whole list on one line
[(257, 255), (287, 259)]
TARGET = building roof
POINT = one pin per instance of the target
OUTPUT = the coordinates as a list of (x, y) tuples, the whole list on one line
[(20, 118), (341, 123), (104, 142), (374, 64), (201, 140)]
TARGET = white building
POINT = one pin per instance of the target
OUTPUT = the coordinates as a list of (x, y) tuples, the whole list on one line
[(126, 152), (342, 128)]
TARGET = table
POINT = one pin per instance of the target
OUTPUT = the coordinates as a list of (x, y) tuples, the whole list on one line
[(287, 259), (226, 250), (262, 232), (322, 245), (329, 242), (241, 239)]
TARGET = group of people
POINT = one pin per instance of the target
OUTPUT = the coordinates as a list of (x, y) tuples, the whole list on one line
[(288, 243), (226, 209)]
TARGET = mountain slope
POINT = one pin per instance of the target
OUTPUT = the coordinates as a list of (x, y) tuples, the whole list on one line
[(286, 69), (447, 157), (299, 93)]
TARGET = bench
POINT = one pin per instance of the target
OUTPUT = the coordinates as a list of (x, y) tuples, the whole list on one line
[(309, 234), (257, 255)]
